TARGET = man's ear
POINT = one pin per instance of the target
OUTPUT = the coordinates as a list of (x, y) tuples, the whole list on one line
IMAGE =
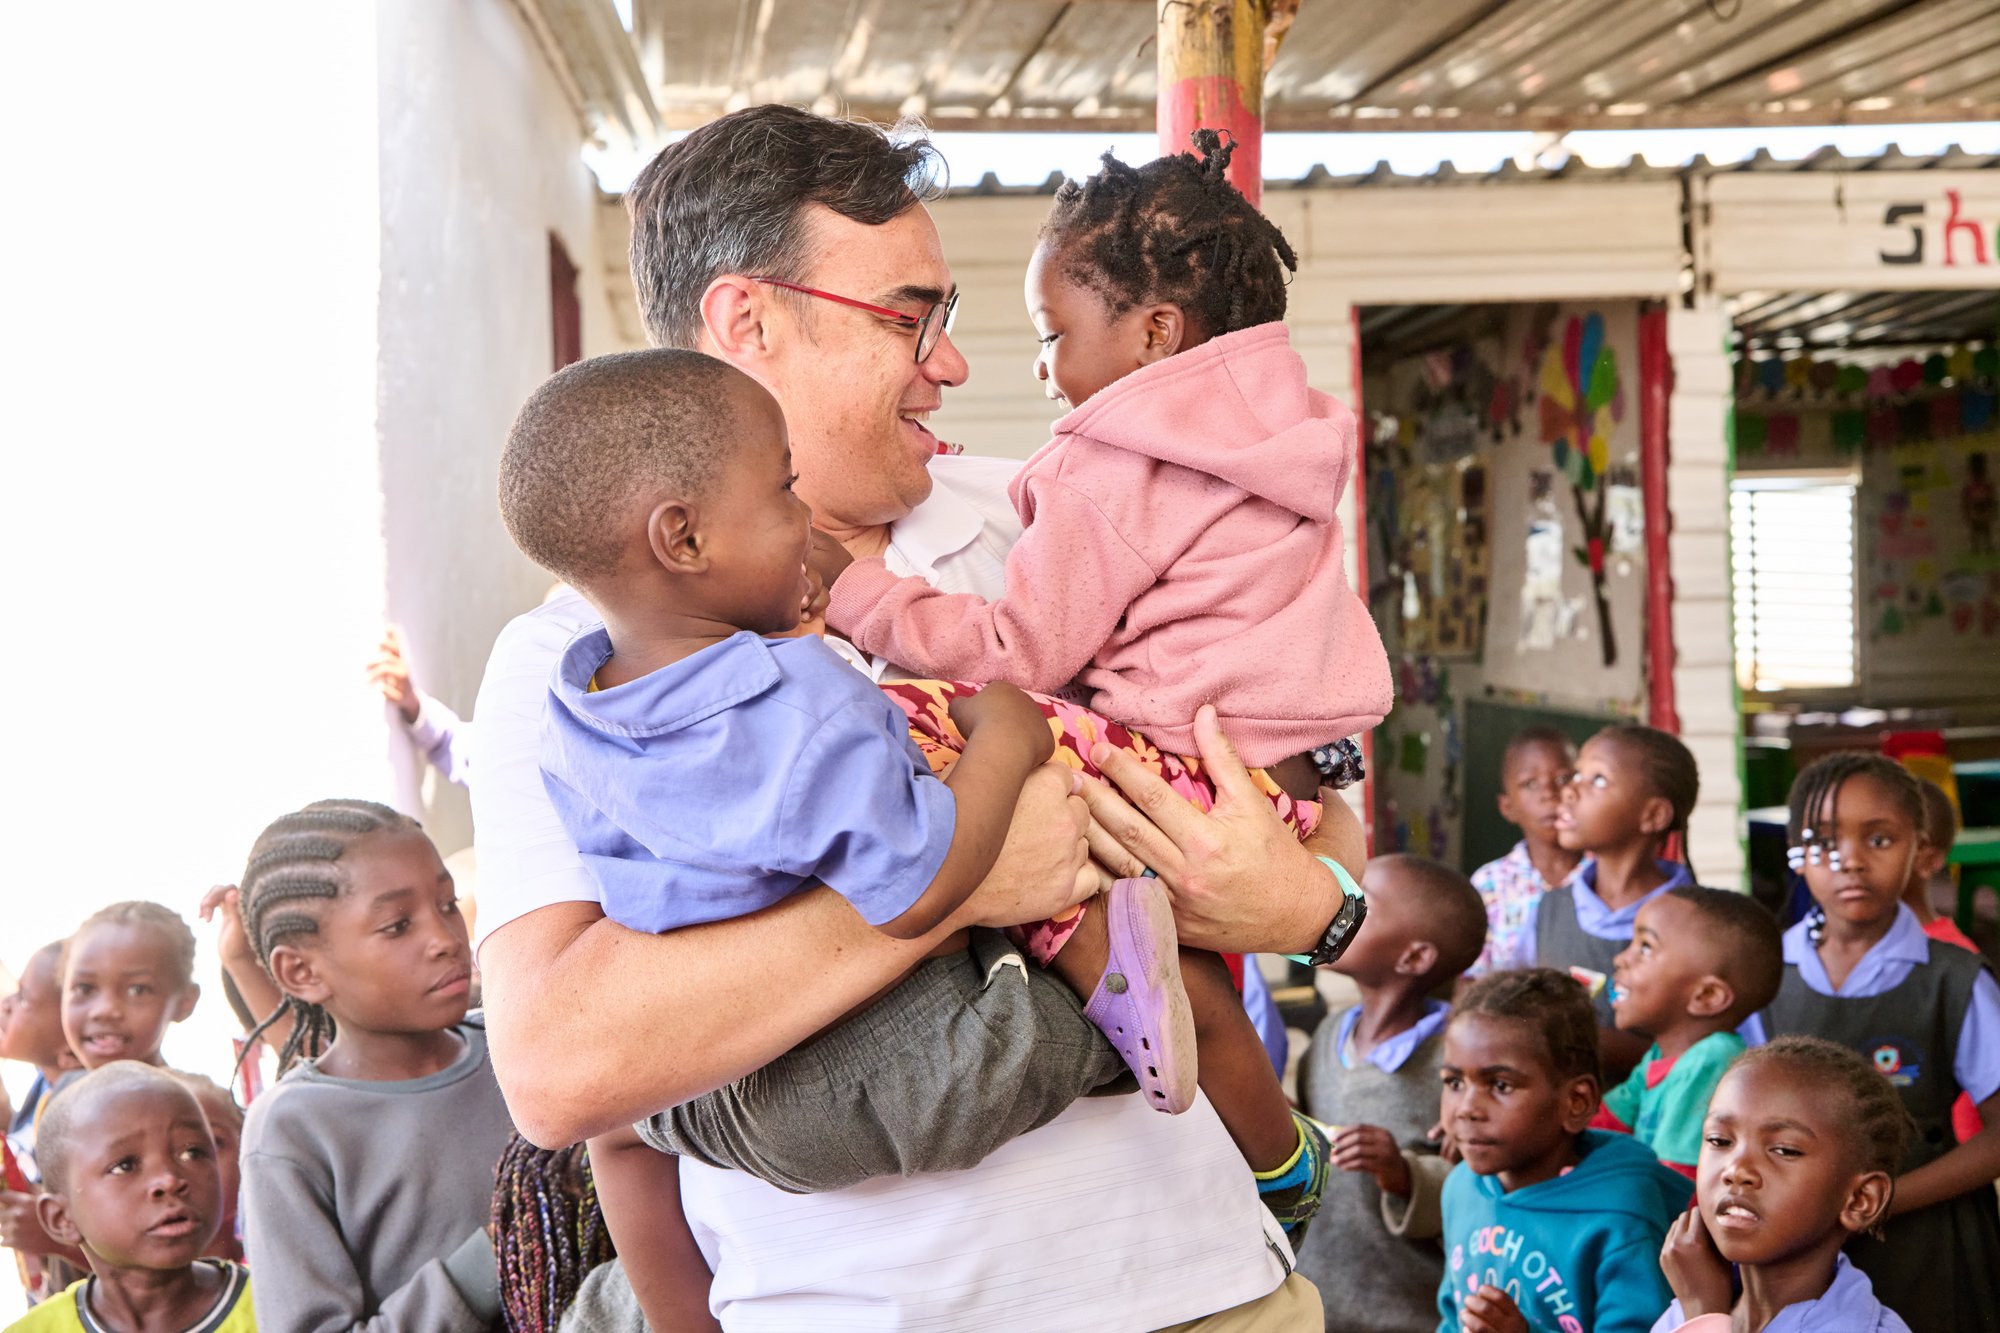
[(1417, 958), (1163, 330), (1712, 996), (190, 995), (735, 319), (1580, 1100), (1867, 1203), (298, 975), (52, 1211), (672, 535)]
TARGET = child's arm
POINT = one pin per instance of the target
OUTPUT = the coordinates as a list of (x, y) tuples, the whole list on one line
[(1070, 578), (639, 1189), (1007, 737), (1419, 1215), (1974, 1164)]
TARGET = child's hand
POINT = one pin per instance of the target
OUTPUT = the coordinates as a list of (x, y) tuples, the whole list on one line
[(1694, 1268), (827, 558), (1491, 1310), (232, 943), (390, 674), (1005, 711), (1441, 1135), (1371, 1149), (20, 1230), (812, 609)]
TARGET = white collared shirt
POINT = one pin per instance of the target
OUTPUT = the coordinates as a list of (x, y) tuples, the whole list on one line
[(1112, 1215)]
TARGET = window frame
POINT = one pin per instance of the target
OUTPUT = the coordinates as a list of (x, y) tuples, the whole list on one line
[(1848, 477)]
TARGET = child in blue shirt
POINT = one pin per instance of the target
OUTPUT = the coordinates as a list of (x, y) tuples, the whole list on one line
[(1798, 1150), (1700, 962), (1548, 1225), (1860, 971)]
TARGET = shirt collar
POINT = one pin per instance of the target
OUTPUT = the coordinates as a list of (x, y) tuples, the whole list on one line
[(1905, 943), (718, 677), (1596, 918), (1524, 866), (942, 526), (1393, 1054)]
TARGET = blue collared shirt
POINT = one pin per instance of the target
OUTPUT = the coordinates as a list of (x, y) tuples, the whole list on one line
[(1887, 965), (1849, 1306), (1592, 914), (1393, 1054), (719, 785)]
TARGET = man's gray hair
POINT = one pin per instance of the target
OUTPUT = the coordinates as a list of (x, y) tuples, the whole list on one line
[(730, 198)]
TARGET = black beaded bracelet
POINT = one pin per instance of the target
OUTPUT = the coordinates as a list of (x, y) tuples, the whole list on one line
[(1339, 764)]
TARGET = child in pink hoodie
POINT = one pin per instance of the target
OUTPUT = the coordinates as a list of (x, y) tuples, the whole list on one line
[(1181, 545)]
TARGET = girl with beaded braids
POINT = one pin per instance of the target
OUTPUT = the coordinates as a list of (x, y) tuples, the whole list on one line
[(1181, 547), (1860, 971), (368, 1167)]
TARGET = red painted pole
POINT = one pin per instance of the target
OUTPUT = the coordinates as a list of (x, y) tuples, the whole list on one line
[(1656, 379), (1211, 63)]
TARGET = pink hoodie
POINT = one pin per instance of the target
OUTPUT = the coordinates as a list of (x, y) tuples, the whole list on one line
[(1181, 548)]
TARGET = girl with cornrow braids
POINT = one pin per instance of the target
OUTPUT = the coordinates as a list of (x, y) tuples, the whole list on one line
[(1181, 547), (1860, 971), (368, 1168), (1626, 809)]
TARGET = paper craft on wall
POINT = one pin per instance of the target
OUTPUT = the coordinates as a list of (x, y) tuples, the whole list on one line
[(1582, 402)]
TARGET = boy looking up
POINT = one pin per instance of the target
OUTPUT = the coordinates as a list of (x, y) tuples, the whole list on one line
[(130, 1175), (1371, 1073), (1700, 962), (1537, 765)]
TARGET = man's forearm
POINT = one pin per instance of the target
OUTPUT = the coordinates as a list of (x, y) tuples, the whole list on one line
[(594, 1026)]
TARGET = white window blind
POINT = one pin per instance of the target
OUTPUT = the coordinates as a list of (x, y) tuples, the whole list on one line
[(1792, 544)]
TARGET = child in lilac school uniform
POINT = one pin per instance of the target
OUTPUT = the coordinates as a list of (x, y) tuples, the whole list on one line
[(1548, 1225), (1631, 796), (1371, 1074), (1860, 971), (1798, 1153), (1534, 771), (1700, 962)]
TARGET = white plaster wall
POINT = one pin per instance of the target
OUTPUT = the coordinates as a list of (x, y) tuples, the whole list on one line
[(480, 161), (191, 498)]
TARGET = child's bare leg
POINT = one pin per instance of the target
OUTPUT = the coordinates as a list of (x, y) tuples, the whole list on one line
[(1236, 1072), (640, 1192)]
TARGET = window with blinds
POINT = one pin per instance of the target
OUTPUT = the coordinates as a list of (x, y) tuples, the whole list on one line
[(1792, 543)]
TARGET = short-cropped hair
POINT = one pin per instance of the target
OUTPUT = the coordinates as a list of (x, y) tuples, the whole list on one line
[(1740, 942), (1551, 1003), (52, 1132), (602, 433)]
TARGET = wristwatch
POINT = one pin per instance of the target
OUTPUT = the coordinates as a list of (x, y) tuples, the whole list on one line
[(1346, 923)]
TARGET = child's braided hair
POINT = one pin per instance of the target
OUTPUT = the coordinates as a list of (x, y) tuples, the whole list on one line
[(138, 912), (1551, 1002), (548, 1232), (1809, 831), (1173, 230), (295, 862)]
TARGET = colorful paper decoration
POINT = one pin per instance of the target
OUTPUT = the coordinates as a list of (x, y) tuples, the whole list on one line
[(1582, 401)]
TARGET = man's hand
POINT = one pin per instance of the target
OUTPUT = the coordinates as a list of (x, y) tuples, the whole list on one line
[(1370, 1149), (1239, 880), (827, 558), (1491, 1310), (20, 1230), (1044, 867), (1694, 1268), (390, 674)]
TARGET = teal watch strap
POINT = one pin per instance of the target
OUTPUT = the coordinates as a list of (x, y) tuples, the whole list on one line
[(1347, 886)]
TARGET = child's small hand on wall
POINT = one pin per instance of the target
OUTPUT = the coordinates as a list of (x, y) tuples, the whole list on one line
[(1491, 1310), (1370, 1149)]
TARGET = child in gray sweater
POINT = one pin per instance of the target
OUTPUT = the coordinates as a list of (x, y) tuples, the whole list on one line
[(1371, 1076)]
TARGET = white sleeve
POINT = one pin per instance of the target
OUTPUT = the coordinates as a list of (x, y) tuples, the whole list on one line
[(526, 859)]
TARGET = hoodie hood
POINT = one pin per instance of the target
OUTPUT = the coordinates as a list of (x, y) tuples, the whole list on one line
[(1617, 1174), (1237, 408)]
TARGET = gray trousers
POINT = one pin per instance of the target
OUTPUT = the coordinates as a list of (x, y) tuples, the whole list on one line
[(971, 1051)]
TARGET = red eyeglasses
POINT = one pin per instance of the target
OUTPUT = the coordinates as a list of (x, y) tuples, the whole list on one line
[(930, 327)]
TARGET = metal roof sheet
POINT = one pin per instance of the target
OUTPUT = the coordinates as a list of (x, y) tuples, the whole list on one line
[(1357, 64)]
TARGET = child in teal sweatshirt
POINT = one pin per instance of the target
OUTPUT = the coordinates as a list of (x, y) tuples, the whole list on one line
[(1547, 1225)]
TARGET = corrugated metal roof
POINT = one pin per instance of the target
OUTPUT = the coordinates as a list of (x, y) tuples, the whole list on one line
[(1789, 321), (1354, 64)]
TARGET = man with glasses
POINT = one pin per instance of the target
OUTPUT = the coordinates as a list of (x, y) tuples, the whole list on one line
[(797, 248)]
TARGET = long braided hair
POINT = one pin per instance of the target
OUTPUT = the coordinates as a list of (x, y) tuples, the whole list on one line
[(1668, 768), (548, 1232), (1173, 230), (294, 863)]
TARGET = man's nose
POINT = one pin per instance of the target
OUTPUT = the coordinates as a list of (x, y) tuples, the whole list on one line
[(946, 365)]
